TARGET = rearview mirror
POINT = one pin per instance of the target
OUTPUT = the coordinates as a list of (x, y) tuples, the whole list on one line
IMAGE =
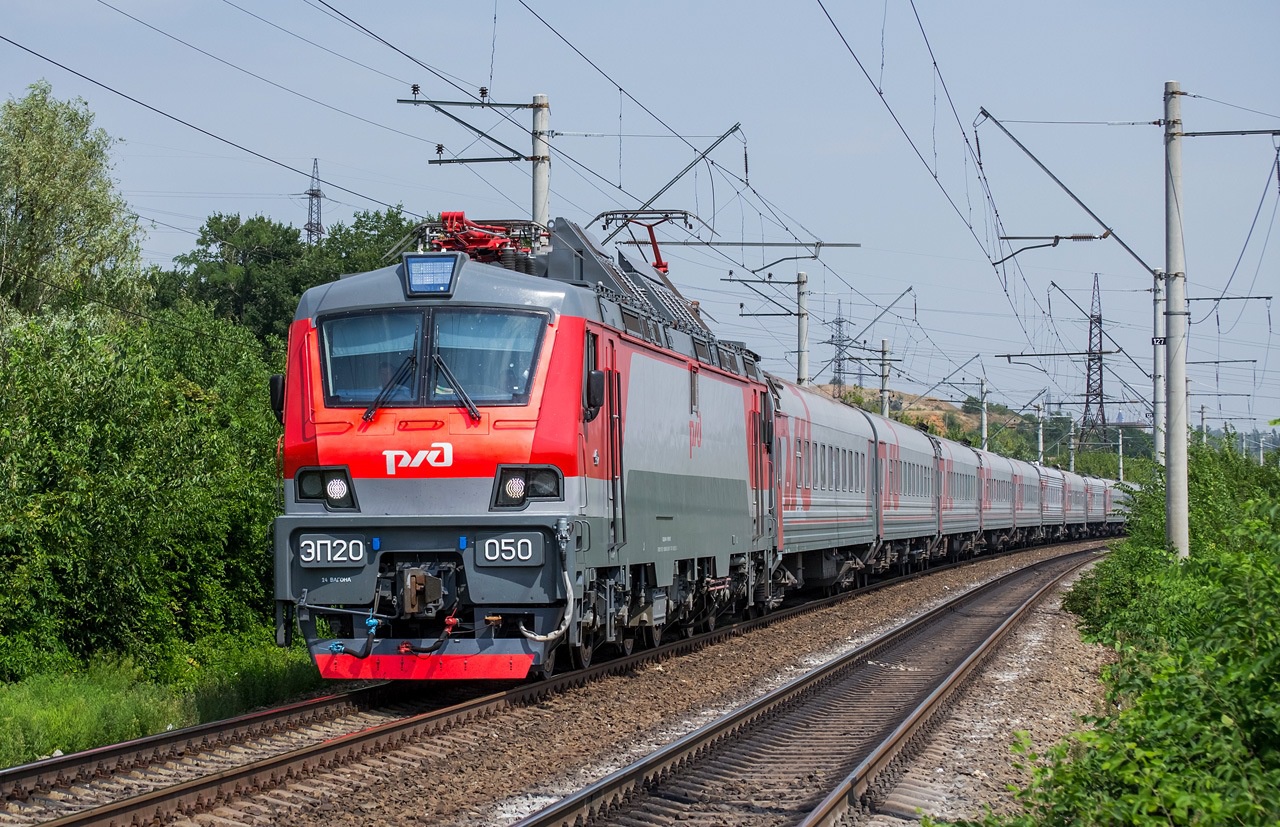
[(595, 389), (276, 384)]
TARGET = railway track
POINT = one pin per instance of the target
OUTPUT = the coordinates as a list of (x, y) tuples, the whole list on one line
[(826, 743), (63, 786), (192, 771)]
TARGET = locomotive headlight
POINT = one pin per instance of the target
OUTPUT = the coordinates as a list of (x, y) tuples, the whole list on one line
[(514, 488), (331, 486), (544, 483), (310, 485), (516, 485), (336, 489)]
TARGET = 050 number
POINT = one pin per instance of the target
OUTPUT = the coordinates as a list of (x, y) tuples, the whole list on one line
[(508, 549), (331, 551)]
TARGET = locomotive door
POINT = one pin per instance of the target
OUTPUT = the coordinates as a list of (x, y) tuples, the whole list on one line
[(613, 453), (761, 463)]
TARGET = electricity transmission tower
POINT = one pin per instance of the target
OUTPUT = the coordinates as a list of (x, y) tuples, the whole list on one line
[(1095, 415), (841, 343), (314, 227)]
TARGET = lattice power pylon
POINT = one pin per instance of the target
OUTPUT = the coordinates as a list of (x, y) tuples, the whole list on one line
[(314, 226), (1095, 414), (841, 343)]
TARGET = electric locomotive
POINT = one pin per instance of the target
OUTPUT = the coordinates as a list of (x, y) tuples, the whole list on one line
[(489, 456)]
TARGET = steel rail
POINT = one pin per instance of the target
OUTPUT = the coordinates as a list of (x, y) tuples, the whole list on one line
[(19, 782), (852, 793)]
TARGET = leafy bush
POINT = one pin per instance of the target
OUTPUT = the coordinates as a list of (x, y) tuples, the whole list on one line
[(137, 480), (228, 674), (115, 700)]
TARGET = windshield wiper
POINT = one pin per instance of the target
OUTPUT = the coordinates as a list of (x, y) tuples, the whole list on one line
[(402, 373), (472, 410)]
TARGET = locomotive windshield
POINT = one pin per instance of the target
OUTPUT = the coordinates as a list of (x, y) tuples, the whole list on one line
[(490, 353)]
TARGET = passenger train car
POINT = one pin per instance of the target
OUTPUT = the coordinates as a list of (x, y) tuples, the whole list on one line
[(493, 458)]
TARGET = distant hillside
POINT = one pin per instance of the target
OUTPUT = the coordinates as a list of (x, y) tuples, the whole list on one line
[(941, 415)]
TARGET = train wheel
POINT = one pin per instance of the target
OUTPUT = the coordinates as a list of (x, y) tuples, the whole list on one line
[(710, 624), (547, 670), (650, 636), (583, 654), (626, 643)]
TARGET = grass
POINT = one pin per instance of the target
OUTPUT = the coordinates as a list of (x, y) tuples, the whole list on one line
[(110, 701)]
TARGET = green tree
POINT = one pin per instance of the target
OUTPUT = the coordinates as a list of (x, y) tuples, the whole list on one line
[(65, 233), (245, 269), (368, 244), (252, 271)]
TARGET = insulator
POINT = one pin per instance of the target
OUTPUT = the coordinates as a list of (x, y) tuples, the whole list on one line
[(484, 92), (507, 258), (439, 149), (415, 89)]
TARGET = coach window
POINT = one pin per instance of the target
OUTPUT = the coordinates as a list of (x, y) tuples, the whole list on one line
[(799, 475), (693, 389)]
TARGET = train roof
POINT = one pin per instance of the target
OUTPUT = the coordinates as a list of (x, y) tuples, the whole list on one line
[(573, 276)]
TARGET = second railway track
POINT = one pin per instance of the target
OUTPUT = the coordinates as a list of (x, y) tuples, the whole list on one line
[(812, 750)]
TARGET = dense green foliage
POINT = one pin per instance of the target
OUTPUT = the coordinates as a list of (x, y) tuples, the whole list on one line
[(104, 703), (138, 485), (1192, 733), (112, 700)]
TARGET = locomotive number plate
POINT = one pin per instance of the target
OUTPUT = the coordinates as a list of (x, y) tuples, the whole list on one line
[(514, 548), (332, 550)]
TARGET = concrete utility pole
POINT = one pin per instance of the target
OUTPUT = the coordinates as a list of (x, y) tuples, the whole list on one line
[(982, 395), (540, 213), (1071, 441), (802, 329), (1120, 432), (1177, 527), (1157, 365), (884, 378), (541, 161), (1039, 435)]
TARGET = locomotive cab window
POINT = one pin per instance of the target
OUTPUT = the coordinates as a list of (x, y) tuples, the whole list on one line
[(362, 354), (386, 357), (491, 354)]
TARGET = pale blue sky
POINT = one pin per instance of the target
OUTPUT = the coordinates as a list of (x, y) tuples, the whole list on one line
[(826, 158)]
